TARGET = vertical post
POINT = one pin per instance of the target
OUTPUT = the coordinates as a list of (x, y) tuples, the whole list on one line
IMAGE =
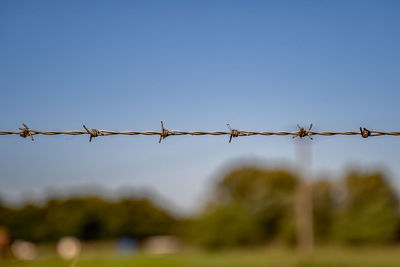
[(303, 200)]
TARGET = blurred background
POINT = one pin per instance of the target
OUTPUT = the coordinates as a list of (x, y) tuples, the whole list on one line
[(199, 200)]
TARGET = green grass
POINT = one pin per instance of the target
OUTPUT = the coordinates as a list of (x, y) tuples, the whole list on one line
[(261, 257)]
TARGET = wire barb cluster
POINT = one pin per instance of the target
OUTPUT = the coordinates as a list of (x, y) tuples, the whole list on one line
[(164, 132), (93, 133), (303, 132), (232, 133)]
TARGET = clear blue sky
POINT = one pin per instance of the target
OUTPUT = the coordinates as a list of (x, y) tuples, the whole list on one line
[(197, 65)]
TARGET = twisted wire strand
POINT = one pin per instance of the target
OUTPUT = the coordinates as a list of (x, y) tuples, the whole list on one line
[(232, 133)]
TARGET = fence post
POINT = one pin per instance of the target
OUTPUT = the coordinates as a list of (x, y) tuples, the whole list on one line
[(303, 201)]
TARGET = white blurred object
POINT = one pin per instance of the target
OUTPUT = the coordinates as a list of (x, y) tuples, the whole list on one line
[(162, 245), (68, 248), (24, 250)]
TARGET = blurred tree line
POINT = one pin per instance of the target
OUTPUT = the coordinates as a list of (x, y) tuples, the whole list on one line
[(254, 205), (249, 206), (88, 218)]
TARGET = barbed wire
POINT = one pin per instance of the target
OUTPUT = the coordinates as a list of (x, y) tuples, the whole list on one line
[(164, 133)]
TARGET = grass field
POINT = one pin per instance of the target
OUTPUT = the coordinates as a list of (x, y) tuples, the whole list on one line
[(389, 256)]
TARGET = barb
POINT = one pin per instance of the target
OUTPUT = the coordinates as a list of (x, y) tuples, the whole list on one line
[(93, 133), (25, 132), (365, 132), (232, 133), (164, 133), (303, 132)]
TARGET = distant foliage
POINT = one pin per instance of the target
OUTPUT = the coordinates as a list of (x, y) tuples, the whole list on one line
[(254, 205), (250, 206), (88, 218), (369, 211), (228, 225), (324, 209)]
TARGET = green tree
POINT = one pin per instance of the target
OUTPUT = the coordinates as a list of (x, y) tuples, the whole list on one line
[(140, 219), (87, 218), (369, 211), (323, 210), (258, 201), (227, 225)]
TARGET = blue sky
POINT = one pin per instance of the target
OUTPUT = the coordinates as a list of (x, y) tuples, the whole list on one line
[(197, 65)]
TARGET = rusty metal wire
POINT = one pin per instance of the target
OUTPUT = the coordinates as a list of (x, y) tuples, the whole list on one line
[(232, 133)]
